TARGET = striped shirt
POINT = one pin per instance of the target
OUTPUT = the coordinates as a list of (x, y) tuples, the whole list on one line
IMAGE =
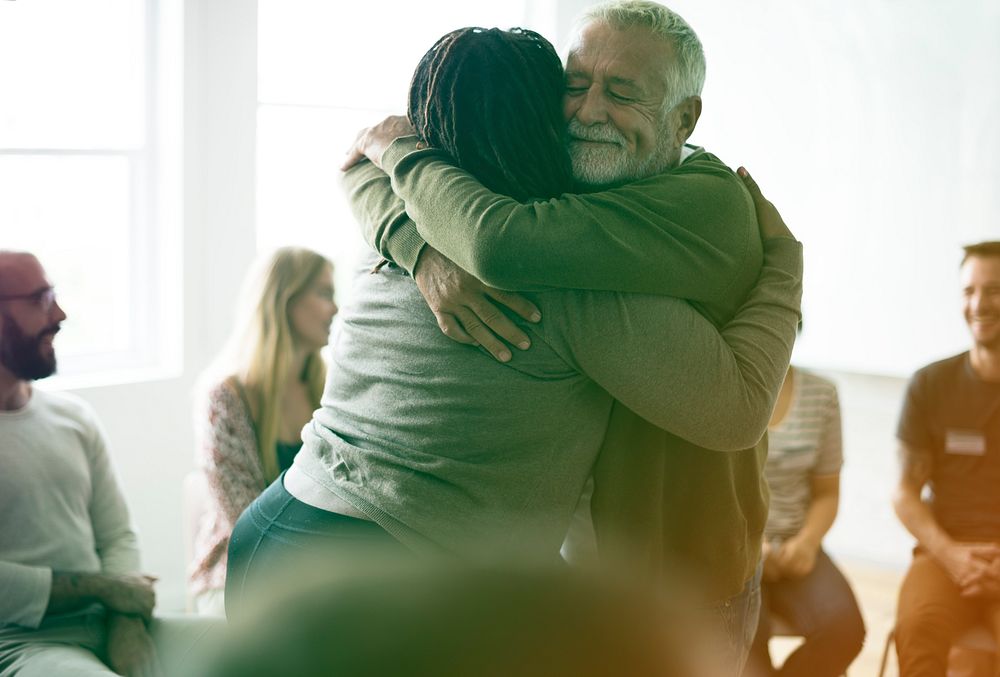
[(806, 443)]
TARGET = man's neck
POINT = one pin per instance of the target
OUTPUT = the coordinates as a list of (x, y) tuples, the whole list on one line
[(14, 392), (985, 362)]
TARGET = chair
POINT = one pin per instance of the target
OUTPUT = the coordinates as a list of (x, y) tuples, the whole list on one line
[(978, 638)]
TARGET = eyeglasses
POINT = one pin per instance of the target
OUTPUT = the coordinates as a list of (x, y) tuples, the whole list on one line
[(43, 298)]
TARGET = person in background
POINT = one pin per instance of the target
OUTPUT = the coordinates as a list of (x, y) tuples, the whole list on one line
[(71, 599), (949, 434), (800, 582), (257, 396)]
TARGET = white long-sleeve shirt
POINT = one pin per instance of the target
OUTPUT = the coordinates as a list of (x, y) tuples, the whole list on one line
[(61, 508)]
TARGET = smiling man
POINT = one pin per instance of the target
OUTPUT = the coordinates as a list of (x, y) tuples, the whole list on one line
[(655, 215), (949, 435), (70, 600)]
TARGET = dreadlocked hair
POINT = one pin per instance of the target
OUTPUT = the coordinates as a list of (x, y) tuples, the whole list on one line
[(492, 99)]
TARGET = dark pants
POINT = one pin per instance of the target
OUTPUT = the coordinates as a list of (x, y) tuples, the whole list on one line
[(821, 607), (930, 615), (278, 536)]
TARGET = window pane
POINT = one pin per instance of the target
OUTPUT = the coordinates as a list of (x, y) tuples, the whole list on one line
[(357, 55), (73, 213), (72, 74), (299, 199)]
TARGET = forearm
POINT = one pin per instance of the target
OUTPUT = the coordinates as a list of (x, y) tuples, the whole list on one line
[(72, 590), (819, 518), (669, 365), (758, 341), (917, 517), (382, 216), (686, 235)]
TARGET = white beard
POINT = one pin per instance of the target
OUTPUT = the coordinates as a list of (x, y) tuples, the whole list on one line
[(610, 162)]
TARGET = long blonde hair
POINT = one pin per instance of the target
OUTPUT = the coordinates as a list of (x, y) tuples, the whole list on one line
[(262, 346)]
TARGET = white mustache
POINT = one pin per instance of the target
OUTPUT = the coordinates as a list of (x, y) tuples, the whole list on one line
[(604, 132)]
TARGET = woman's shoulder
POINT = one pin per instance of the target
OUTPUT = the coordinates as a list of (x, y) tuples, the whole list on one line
[(228, 394)]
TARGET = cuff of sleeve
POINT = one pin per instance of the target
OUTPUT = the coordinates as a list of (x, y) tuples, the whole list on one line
[(27, 598), (397, 150), (406, 245)]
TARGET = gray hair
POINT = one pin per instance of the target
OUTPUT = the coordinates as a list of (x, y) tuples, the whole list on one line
[(687, 76)]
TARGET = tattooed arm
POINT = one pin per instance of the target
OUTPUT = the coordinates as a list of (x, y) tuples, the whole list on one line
[(968, 564)]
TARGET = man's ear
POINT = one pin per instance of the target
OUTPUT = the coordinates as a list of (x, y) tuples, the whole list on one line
[(687, 113)]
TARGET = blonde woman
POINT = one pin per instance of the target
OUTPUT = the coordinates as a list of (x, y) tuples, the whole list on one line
[(256, 398)]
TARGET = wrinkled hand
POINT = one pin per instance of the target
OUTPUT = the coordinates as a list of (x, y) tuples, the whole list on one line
[(130, 649), (129, 594), (768, 219), (796, 557), (770, 572), (466, 309), (371, 142)]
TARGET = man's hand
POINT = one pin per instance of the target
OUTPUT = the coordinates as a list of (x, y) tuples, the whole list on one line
[(130, 649), (796, 557), (372, 141), (988, 584), (968, 564), (128, 594), (466, 308), (768, 219)]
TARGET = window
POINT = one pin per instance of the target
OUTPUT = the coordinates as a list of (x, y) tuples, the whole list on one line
[(82, 178), (326, 70)]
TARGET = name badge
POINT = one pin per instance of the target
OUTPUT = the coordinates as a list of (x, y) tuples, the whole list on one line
[(967, 442)]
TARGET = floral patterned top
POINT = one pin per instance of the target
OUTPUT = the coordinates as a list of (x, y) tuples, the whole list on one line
[(228, 458)]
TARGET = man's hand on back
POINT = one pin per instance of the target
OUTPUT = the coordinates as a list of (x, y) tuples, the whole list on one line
[(371, 142), (466, 309)]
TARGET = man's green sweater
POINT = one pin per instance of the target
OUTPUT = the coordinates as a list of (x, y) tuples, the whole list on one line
[(660, 503)]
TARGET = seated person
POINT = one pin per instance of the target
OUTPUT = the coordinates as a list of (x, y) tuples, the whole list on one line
[(71, 600), (258, 395), (949, 433), (800, 581)]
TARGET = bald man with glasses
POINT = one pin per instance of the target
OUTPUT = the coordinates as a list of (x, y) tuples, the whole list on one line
[(71, 600)]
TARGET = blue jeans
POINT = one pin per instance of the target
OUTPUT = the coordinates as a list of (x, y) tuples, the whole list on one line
[(821, 607), (737, 618), (277, 533)]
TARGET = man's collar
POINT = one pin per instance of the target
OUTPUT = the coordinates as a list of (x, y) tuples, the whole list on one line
[(688, 151)]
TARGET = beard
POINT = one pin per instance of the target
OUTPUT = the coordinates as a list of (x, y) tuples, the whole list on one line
[(22, 355), (610, 162)]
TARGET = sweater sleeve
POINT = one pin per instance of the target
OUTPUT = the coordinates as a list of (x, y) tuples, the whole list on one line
[(114, 539), (24, 593), (667, 363), (382, 215), (690, 232), (227, 454)]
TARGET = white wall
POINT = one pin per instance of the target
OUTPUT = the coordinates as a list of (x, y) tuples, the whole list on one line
[(150, 424)]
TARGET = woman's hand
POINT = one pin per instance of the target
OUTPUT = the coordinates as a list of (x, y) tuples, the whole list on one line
[(371, 142), (768, 219)]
